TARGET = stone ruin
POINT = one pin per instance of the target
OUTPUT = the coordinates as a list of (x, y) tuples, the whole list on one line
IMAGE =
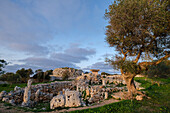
[(68, 99), (84, 90), (58, 73), (32, 94)]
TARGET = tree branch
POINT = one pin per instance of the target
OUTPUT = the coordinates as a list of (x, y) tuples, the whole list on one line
[(143, 65)]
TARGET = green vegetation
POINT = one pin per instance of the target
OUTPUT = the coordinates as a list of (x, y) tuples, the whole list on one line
[(104, 73), (22, 76), (2, 65), (159, 102), (9, 87), (65, 75), (138, 30), (161, 70)]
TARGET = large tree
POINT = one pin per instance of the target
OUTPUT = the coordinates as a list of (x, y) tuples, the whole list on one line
[(138, 28)]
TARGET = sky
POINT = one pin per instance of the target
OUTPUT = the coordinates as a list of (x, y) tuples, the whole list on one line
[(49, 34)]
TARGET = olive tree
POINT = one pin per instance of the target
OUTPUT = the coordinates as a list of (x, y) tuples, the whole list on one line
[(138, 29)]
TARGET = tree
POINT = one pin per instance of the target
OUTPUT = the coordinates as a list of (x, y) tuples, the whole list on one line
[(24, 74), (65, 75), (2, 64), (10, 77), (138, 28)]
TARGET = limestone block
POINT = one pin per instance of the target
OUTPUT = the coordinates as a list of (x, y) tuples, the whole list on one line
[(139, 97), (72, 99), (87, 91), (57, 101), (103, 82), (106, 95), (27, 94)]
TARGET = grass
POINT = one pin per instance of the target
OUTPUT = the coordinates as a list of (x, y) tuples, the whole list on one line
[(9, 87), (159, 102)]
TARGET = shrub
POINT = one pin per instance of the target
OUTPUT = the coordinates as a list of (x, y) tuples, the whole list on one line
[(65, 75), (161, 70)]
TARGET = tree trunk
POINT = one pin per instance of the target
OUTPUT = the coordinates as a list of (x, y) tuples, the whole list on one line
[(129, 79)]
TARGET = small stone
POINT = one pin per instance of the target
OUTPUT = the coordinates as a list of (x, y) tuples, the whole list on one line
[(139, 97), (5, 99), (43, 108), (16, 88), (12, 102), (2, 94)]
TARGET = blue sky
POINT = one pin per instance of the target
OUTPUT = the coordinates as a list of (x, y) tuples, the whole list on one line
[(48, 34)]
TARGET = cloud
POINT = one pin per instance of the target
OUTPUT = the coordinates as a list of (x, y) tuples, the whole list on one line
[(68, 58), (74, 54)]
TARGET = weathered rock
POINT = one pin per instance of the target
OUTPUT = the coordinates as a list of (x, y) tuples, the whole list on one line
[(17, 88), (139, 97), (27, 94), (106, 95), (87, 91), (117, 97), (12, 102), (2, 94), (103, 82), (72, 99), (37, 94), (57, 101), (5, 99)]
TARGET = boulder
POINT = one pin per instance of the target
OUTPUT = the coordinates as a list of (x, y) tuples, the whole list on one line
[(139, 97)]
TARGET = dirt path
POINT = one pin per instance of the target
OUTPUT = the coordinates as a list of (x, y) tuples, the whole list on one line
[(88, 107), (7, 109)]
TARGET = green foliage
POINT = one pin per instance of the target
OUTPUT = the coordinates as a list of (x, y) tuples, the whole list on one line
[(65, 75), (10, 77), (161, 70), (126, 66), (24, 74), (2, 65), (41, 76), (104, 73), (139, 25), (9, 87)]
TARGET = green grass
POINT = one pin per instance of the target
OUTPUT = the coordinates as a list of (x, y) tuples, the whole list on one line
[(9, 87), (159, 102)]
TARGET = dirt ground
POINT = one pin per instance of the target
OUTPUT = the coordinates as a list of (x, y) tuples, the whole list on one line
[(7, 109)]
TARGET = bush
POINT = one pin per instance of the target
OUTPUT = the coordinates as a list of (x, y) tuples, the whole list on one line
[(65, 75), (104, 73), (161, 70), (11, 77)]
